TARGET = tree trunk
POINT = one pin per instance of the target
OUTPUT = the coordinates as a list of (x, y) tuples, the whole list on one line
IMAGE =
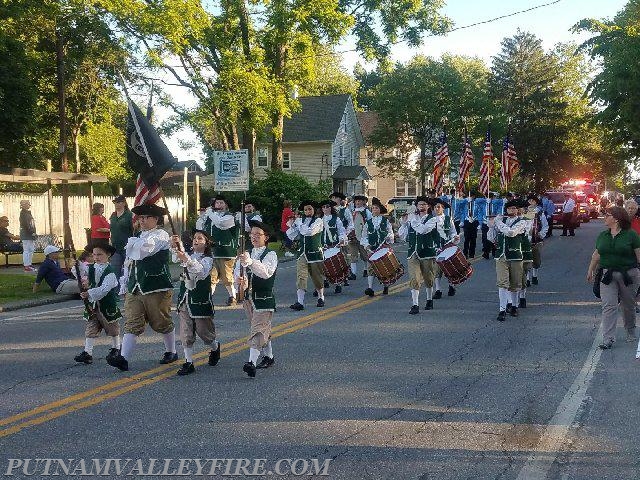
[(276, 145), (76, 147), (249, 142), (423, 167)]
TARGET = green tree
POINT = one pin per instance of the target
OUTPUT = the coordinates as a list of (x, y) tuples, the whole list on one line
[(412, 101)]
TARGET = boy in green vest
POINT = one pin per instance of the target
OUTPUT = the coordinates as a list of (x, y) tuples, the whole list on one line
[(259, 301), (148, 287), (417, 229), (222, 229), (444, 233), (308, 230), (360, 216), (333, 233), (376, 232), (506, 234), (99, 281), (194, 307)]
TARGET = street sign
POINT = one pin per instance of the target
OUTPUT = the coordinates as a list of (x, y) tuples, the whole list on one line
[(231, 170)]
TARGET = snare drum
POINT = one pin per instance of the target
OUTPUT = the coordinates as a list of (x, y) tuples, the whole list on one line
[(335, 265), (385, 266), (454, 265)]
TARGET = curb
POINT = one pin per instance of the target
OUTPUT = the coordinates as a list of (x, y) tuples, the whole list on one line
[(38, 302)]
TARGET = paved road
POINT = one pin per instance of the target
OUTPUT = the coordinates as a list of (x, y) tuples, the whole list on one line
[(447, 394)]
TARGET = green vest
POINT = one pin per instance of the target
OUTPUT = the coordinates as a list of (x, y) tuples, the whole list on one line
[(107, 305), (342, 215), (375, 236), (330, 233), (311, 246), (511, 247), (262, 288), (527, 251), (198, 300), (437, 239), (224, 242), (151, 273), (422, 245)]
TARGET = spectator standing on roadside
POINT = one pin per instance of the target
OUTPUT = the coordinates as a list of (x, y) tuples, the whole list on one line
[(8, 241), (121, 228), (287, 213), (27, 235), (568, 207), (548, 208), (100, 231), (618, 254)]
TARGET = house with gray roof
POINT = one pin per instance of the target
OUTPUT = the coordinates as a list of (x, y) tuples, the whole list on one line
[(322, 141)]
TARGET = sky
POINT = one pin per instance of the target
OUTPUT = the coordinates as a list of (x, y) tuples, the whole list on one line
[(551, 23)]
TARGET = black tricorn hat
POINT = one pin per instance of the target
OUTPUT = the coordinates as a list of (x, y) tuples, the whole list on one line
[(340, 195), (331, 203), (434, 201), (512, 203), (422, 198), (360, 197), (250, 201), (150, 209), (219, 197), (303, 203), (376, 201), (262, 226), (110, 249)]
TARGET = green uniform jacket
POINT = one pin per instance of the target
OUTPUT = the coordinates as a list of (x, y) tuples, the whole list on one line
[(107, 305), (225, 242), (311, 245), (437, 239), (330, 235), (262, 288), (376, 237), (510, 246)]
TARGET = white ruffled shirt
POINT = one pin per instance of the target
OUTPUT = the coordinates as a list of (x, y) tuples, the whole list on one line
[(110, 281)]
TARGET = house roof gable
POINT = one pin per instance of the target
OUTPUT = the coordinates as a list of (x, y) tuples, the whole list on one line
[(318, 119)]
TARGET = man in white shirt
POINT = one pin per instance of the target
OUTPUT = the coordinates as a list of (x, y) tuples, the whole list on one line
[(568, 207)]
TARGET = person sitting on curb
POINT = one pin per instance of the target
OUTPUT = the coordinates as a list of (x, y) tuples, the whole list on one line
[(8, 241), (51, 272)]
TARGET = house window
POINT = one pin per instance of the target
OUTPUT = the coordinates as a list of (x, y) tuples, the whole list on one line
[(371, 156), (406, 188), (372, 188), (286, 160), (263, 157), (343, 125)]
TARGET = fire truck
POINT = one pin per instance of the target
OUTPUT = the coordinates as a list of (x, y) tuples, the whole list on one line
[(587, 194)]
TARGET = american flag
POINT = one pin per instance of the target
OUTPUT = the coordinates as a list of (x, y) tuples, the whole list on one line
[(510, 164), (440, 164), (487, 162), (466, 162), (144, 194)]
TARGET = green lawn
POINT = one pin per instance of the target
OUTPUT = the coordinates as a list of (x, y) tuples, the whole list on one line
[(17, 286)]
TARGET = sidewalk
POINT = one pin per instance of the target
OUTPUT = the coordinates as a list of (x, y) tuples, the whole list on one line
[(54, 298)]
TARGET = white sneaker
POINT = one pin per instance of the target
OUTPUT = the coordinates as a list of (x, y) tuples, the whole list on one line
[(288, 254)]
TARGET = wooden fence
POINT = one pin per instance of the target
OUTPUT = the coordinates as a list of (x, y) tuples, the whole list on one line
[(79, 213)]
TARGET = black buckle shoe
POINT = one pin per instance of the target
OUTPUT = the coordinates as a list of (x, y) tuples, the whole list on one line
[(370, 292), (338, 289), (214, 356), (485, 255), (437, 295), (168, 357), (514, 311), (522, 303), (266, 362), (415, 309), (112, 353), (528, 283), (385, 290), (315, 293), (346, 283), (451, 292), (326, 284), (365, 274), (296, 306), (250, 369), (606, 345), (429, 305), (320, 303), (186, 369), (534, 280), (84, 357), (119, 362), (352, 276), (502, 316)]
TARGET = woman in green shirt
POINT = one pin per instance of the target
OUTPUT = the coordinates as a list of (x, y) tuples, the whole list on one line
[(618, 254), (121, 227)]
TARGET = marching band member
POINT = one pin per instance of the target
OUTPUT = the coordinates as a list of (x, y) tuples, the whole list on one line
[(99, 278), (376, 232), (495, 207), (259, 301), (346, 217), (250, 213), (194, 306), (221, 227), (460, 213), (538, 234), (417, 230), (470, 225), (527, 252), (361, 215), (505, 232), (148, 287), (444, 233), (333, 232), (308, 229)]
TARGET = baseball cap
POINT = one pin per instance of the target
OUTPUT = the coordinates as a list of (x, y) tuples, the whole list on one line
[(50, 249)]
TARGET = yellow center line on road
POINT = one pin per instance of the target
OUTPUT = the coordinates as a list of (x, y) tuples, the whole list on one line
[(120, 387), (126, 385)]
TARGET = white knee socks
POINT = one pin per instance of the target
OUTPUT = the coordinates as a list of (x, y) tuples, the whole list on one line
[(188, 354), (429, 291), (415, 296), (254, 353), (232, 290), (267, 350), (128, 345), (321, 293), (437, 282), (115, 342), (88, 345), (503, 295), (170, 341), (300, 292), (370, 281), (535, 272)]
